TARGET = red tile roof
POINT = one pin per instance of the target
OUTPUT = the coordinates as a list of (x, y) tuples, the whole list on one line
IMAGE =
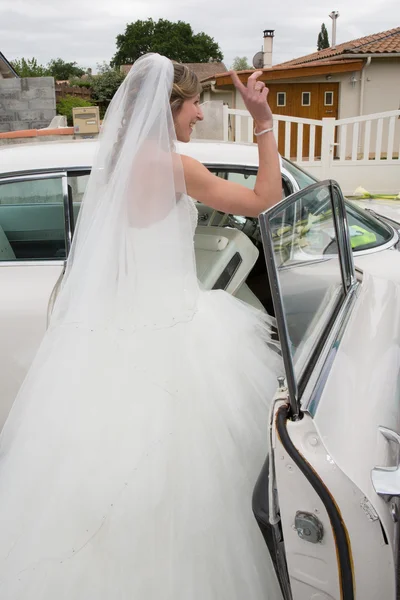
[(202, 70), (380, 43)]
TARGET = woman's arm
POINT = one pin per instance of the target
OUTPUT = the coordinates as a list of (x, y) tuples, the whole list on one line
[(230, 197)]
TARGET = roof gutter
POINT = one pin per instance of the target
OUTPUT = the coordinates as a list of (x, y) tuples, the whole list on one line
[(232, 92), (214, 89)]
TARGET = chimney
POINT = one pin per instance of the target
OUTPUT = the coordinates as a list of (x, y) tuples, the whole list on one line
[(268, 47)]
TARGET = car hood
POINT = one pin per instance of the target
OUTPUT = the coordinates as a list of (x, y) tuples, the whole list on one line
[(387, 208)]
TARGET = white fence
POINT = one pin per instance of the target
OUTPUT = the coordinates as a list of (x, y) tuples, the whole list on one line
[(356, 151)]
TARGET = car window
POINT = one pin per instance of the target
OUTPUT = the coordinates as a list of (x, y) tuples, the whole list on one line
[(249, 225), (301, 237), (77, 182), (247, 178), (366, 232), (32, 219), (303, 179)]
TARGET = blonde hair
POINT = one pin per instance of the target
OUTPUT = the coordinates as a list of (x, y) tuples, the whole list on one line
[(186, 85)]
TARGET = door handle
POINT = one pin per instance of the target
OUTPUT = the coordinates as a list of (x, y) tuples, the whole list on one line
[(386, 480)]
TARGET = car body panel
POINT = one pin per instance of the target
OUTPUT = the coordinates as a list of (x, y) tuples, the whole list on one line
[(313, 567), (331, 441), (25, 292)]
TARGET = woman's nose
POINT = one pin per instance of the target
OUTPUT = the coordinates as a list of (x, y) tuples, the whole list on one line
[(200, 114)]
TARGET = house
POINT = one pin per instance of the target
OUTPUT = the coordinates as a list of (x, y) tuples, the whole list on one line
[(355, 78), (202, 70), (6, 70)]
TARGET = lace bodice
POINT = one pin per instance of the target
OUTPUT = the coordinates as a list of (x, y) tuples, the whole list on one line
[(194, 213)]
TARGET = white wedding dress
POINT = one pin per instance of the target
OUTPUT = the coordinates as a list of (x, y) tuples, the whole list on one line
[(128, 462)]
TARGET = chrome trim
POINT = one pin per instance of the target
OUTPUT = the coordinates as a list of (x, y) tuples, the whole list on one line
[(343, 237), (32, 263), (232, 167), (386, 480), (348, 281), (292, 180), (316, 384), (384, 219), (41, 172), (68, 222), (33, 176), (386, 246)]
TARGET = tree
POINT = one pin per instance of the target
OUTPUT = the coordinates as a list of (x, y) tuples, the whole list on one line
[(61, 70), (240, 64), (29, 67), (175, 40), (323, 38), (105, 84), (57, 68)]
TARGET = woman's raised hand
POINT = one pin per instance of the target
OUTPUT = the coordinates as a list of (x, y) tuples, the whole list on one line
[(255, 96)]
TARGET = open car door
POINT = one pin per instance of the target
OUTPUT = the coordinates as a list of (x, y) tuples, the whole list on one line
[(333, 471)]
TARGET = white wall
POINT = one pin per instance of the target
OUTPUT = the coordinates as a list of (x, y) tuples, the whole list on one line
[(382, 85)]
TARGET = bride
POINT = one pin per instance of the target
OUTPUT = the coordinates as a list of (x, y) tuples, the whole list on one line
[(128, 461)]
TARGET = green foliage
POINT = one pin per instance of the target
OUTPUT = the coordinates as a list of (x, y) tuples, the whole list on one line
[(66, 104), (57, 68), (175, 40), (83, 83), (323, 38), (29, 67), (240, 64), (61, 70), (105, 84)]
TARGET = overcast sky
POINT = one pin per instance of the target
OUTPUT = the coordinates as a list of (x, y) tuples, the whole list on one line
[(85, 30)]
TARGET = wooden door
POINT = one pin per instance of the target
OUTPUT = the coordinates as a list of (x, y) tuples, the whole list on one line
[(304, 100)]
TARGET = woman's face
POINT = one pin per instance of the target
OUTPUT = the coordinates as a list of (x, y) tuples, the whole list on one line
[(187, 117)]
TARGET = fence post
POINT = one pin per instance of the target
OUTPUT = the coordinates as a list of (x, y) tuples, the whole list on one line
[(327, 146), (225, 118)]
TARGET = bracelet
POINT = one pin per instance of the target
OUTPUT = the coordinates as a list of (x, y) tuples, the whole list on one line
[(264, 131)]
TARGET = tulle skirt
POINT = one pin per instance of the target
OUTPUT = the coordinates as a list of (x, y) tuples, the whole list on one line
[(128, 462)]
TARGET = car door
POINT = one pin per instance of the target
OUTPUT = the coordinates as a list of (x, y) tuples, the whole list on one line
[(333, 476), (35, 235)]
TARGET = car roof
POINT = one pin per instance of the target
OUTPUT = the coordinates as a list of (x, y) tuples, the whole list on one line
[(80, 153)]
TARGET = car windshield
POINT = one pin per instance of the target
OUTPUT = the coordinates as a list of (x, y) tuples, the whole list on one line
[(303, 179), (366, 231)]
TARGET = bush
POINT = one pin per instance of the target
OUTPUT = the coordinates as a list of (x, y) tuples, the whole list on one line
[(86, 83), (66, 104)]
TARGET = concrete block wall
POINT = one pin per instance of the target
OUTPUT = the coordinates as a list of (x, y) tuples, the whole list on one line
[(26, 103)]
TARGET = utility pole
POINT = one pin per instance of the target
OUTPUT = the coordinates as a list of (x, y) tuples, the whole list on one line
[(334, 16)]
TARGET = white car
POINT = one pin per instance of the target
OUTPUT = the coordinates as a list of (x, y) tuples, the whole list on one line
[(327, 497)]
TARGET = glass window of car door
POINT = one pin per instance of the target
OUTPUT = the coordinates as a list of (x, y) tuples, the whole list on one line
[(32, 221), (303, 243), (77, 182)]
